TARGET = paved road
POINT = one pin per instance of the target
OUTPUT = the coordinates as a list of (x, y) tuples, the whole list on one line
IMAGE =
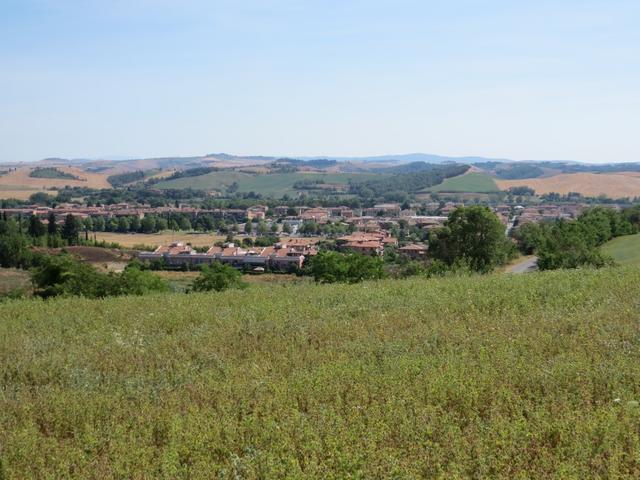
[(528, 265)]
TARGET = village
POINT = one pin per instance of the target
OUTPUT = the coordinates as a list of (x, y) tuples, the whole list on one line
[(297, 231)]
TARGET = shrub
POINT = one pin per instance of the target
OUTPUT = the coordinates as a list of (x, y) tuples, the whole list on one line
[(217, 277)]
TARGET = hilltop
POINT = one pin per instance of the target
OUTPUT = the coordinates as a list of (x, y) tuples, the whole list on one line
[(489, 377)]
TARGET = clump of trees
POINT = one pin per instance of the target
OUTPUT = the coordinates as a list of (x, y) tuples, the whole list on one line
[(64, 275), (332, 267), (217, 277), (473, 237), (573, 244)]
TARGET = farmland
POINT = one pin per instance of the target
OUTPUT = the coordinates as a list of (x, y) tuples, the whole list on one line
[(19, 183), (130, 240), (272, 184), (613, 185), (530, 376), (474, 182), (624, 250)]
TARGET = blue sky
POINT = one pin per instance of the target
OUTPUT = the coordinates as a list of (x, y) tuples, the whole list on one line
[(504, 78)]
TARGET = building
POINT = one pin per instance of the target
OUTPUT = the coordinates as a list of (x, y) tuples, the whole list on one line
[(277, 257), (415, 251)]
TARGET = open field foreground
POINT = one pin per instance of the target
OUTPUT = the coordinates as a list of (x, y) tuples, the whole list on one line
[(527, 376), (613, 185)]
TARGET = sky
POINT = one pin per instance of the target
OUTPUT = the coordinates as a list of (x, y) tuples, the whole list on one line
[(518, 79)]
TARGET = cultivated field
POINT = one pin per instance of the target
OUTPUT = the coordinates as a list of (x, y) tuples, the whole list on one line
[(129, 240), (474, 182), (618, 185), (529, 376), (18, 183), (624, 250)]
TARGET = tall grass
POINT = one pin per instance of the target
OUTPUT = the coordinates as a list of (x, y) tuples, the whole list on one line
[(529, 376)]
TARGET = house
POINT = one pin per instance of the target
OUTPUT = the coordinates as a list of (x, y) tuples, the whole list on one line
[(415, 251)]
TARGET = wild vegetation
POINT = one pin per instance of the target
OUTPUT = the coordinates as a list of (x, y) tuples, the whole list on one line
[(531, 376), (572, 244), (51, 172)]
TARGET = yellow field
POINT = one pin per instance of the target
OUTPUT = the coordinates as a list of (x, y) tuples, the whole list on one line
[(156, 239), (18, 183), (613, 185)]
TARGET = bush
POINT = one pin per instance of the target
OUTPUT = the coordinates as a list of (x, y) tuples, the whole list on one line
[(331, 267), (217, 277)]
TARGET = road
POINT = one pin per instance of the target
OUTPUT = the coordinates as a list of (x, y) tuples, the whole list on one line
[(527, 265)]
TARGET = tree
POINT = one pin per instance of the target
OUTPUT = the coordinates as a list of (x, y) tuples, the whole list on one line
[(472, 235), (148, 224), (134, 224), (331, 267), (184, 223), (88, 224), (52, 226), (286, 228), (70, 229), (248, 227), (36, 227), (99, 224), (161, 224), (123, 224), (217, 277), (567, 246)]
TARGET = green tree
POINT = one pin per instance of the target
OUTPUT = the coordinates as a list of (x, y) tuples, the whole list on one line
[(148, 224), (248, 227), (217, 277), (184, 223), (70, 229), (474, 236), (134, 225), (52, 226), (123, 225), (332, 267), (36, 227)]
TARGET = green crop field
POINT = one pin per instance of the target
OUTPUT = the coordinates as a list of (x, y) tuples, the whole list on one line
[(529, 376), (272, 184), (624, 250), (474, 182)]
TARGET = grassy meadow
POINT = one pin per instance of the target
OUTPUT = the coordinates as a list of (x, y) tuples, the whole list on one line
[(524, 376), (624, 250)]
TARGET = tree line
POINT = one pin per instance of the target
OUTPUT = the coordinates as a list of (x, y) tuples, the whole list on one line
[(575, 243)]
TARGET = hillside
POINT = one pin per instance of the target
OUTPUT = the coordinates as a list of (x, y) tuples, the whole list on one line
[(19, 183), (529, 376), (272, 184), (624, 250), (473, 181), (613, 185)]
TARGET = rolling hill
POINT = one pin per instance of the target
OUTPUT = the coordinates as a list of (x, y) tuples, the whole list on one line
[(271, 184), (624, 250), (471, 182), (613, 185)]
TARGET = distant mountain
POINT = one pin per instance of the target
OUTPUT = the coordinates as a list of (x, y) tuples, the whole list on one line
[(411, 158)]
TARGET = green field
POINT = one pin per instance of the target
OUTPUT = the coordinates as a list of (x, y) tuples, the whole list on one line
[(624, 250), (272, 184), (529, 376), (474, 182)]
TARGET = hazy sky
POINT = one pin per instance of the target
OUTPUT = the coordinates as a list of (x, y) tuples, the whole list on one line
[(523, 79)]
